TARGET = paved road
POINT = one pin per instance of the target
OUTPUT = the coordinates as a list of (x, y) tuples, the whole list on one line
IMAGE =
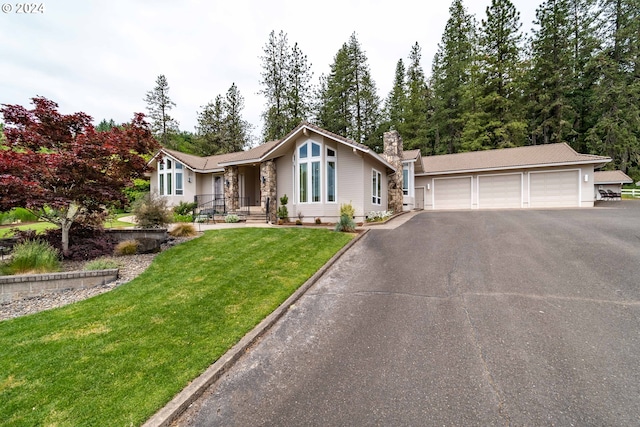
[(456, 318)]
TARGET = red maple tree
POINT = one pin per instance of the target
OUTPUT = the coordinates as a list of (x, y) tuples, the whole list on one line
[(58, 166)]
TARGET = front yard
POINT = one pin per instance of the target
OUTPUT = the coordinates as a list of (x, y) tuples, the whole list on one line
[(117, 358)]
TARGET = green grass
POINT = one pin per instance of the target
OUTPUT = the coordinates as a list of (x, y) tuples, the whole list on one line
[(41, 226), (117, 358)]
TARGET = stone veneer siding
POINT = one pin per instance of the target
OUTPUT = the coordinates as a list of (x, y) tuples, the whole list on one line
[(393, 154), (231, 191), (268, 188)]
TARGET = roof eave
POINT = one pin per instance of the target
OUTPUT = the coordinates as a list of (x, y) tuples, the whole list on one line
[(535, 166)]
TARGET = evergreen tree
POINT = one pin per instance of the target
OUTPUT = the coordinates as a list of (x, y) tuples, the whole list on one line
[(159, 105), (286, 76), (106, 125), (550, 78), (502, 122), (238, 130), (451, 77), (418, 99), (348, 101), (617, 95), (396, 102)]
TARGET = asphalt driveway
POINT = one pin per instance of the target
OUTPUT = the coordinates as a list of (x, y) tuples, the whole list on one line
[(525, 317)]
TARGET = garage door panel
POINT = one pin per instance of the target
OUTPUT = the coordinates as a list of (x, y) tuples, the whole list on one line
[(452, 193), (555, 189), (500, 191)]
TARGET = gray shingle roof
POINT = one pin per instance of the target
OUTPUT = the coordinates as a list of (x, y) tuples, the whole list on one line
[(611, 177), (508, 158)]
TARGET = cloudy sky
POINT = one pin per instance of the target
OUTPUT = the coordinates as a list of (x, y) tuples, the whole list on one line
[(101, 57)]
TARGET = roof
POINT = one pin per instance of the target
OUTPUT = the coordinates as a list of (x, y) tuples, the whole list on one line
[(508, 158), (611, 177), (263, 152), (410, 155)]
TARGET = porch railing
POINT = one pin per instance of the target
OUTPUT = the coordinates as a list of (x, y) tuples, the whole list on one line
[(216, 204)]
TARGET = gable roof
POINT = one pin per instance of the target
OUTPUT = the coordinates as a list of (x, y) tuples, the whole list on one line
[(508, 158), (611, 177), (413, 156)]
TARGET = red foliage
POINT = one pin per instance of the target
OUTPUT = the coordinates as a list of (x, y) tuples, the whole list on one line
[(55, 159)]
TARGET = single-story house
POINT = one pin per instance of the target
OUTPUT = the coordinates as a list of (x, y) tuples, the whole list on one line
[(608, 184), (319, 170)]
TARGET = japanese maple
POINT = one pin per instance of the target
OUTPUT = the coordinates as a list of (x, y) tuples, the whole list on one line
[(58, 166)]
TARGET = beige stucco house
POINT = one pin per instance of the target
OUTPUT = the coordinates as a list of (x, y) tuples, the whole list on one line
[(608, 184), (319, 170)]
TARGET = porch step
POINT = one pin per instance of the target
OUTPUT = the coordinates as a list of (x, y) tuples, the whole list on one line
[(256, 219)]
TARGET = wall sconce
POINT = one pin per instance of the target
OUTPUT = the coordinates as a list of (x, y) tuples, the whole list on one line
[(586, 177), (263, 179), (189, 180), (226, 182), (428, 186)]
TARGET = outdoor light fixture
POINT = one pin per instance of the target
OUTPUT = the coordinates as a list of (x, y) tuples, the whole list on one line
[(263, 179), (189, 180), (226, 182), (586, 177)]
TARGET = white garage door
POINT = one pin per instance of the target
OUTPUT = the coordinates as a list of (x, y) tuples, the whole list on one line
[(554, 189), (500, 191), (452, 193)]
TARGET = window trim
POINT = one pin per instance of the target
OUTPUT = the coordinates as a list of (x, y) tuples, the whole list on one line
[(309, 160), (376, 181), (329, 159)]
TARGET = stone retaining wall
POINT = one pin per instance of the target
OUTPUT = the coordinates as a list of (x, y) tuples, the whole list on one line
[(20, 286)]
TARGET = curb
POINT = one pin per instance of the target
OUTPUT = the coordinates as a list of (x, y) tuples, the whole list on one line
[(165, 416)]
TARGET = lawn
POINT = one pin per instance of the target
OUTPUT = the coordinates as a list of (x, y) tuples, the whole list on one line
[(41, 226), (117, 358)]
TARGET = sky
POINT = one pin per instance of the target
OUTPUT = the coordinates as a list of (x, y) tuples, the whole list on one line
[(102, 57)]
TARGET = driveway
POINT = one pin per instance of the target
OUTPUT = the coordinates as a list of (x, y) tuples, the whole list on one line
[(526, 317)]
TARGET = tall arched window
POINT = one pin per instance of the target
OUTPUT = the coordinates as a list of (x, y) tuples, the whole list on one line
[(309, 172)]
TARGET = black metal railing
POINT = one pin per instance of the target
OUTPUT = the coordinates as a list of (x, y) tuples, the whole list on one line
[(210, 205)]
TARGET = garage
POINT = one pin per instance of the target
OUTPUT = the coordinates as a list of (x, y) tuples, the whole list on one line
[(500, 191), (452, 193), (554, 189)]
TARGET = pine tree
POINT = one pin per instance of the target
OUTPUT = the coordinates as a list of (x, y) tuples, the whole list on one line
[(298, 88), (617, 95), (501, 77), (418, 99), (238, 130), (451, 77), (396, 102), (348, 103), (159, 105)]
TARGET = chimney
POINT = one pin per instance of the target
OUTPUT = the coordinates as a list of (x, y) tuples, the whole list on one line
[(393, 154)]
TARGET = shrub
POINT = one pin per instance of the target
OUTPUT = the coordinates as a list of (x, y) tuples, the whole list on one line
[(298, 222), (138, 190), (7, 218), (85, 242), (101, 264), (183, 230), (318, 221), (347, 209), (23, 215), (185, 208), (231, 218), (346, 224), (283, 212), (34, 256), (151, 211), (128, 247), (377, 216), (182, 218)]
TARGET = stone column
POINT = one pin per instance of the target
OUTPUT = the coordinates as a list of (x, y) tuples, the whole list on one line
[(268, 188), (231, 191), (393, 154)]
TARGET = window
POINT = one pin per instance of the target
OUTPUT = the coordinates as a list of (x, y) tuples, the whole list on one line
[(331, 175), (179, 187), (309, 187), (405, 180), (170, 173), (376, 187)]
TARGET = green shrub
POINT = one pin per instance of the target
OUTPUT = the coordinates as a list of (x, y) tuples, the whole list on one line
[(23, 215), (231, 218), (347, 209), (34, 256), (185, 208), (128, 247), (283, 212), (151, 211), (346, 224), (183, 230), (318, 221), (182, 218), (101, 264)]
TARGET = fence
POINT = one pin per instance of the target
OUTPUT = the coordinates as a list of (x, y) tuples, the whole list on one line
[(633, 192)]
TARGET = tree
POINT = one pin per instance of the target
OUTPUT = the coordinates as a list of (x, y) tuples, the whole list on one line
[(286, 80), (417, 110), (451, 80), (396, 102), (501, 121), (221, 128), (105, 125), (348, 101), (59, 167), (159, 105)]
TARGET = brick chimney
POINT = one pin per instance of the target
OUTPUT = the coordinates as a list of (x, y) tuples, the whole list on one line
[(393, 154)]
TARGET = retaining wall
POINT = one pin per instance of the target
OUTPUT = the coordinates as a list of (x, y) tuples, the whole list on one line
[(20, 286)]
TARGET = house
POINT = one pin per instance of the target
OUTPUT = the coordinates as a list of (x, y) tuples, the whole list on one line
[(319, 170), (608, 183)]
